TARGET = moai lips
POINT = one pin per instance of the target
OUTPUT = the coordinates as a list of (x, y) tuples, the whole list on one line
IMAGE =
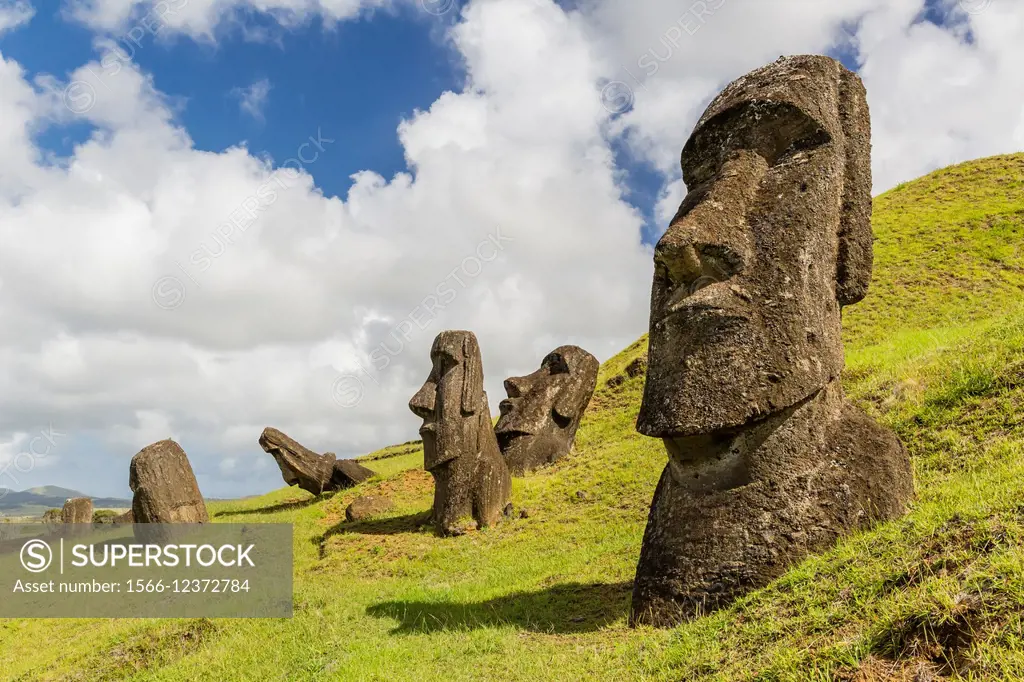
[(767, 460)]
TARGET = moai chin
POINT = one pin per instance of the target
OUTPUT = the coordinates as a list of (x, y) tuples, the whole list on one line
[(459, 446), (767, 460), (543, 410)]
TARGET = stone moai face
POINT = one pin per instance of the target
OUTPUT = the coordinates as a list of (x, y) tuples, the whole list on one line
[(768, 462), (459, 447), (772, 239), (543, 410), (450, 400)]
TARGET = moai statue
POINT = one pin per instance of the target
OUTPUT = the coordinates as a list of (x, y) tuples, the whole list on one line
[(543, 410), (77, 510), (460, 450), (767, 460), (165, 487), (312, 472)]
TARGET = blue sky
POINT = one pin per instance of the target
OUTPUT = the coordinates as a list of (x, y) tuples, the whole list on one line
[(355, 81), (485, 118)]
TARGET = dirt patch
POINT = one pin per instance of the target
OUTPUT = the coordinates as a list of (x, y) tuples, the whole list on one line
[(881, 670), (940, 637), (145, 649)]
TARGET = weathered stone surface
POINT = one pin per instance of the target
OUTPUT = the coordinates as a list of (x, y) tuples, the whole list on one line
[(460, 450), (165, 487), (543, 410), (767, 460), (308, 470), (299, 465), (368, 507), (348, 473), (125, 519), (77, 510)]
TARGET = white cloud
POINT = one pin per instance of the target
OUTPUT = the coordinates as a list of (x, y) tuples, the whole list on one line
[(253, 99), (513, 230), (200, 19), (15, 13)]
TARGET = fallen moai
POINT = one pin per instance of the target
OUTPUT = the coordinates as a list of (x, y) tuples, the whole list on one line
[(304, 468)]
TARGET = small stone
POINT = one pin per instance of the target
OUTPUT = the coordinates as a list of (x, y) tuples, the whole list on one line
[(368, 507)]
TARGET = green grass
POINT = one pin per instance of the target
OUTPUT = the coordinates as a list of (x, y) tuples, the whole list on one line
[(936, 352)]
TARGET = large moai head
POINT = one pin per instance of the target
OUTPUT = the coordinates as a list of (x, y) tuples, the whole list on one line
[(543, 410), (451, 400), (772, 239)]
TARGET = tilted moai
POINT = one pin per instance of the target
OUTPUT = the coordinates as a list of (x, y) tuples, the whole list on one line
[(304, 468), (459, 446), (767, 460), (77, 510), (543, 410), (165, 488)]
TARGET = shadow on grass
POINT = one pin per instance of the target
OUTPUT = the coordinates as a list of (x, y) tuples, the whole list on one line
[(274, 508), (410, 523), (563, 609)]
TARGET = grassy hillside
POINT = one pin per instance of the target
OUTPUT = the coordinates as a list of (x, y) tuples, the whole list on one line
[(936, 352)]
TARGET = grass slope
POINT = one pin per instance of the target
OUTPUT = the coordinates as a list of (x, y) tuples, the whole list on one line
[(936, 352)]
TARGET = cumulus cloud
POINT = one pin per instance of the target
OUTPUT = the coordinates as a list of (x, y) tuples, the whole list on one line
[(253, 99), (155, 289), (15, 13), (932, 70)]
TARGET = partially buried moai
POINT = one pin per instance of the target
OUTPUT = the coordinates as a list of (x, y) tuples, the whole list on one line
[(459, 446), (165, 489), (767, 460), (77, 510), (543, 410)]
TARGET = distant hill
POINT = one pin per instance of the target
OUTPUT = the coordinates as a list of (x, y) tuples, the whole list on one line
[(55, 491), (35, 501)]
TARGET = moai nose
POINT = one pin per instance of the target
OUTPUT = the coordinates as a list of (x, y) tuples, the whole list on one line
[(422, 404), (514, 386)]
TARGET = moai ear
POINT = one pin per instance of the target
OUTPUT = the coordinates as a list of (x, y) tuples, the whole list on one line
[(472, 376), (855, 259), (567, 404)]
